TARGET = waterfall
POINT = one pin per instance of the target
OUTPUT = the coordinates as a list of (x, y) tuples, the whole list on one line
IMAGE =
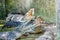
[(57, 2)]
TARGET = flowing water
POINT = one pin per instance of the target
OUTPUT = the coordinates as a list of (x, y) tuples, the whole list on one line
[(57, 3)]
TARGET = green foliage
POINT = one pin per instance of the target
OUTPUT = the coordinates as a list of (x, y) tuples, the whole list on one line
[(46, 9), (11, 5), (2, 9)]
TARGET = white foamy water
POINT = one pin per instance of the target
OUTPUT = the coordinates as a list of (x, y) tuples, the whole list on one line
[(57, 5)]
